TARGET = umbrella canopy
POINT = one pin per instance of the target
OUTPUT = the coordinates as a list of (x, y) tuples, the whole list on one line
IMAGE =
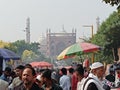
[(78, 49), (34, 64), (41, 64), (8, 54), (44, 64)]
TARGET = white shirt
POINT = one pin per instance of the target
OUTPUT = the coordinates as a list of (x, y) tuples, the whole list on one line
[(80, 84), (65, 82), (16, 81), (3, 85)]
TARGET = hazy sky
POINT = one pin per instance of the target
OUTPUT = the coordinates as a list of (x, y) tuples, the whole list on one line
[(51, 14)]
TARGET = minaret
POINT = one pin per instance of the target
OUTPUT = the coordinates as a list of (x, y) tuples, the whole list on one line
[(28, 30), (98, 23), (63, 28)]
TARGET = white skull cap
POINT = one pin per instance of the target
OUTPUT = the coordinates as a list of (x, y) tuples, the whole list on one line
[(96, 65), (38, 77)]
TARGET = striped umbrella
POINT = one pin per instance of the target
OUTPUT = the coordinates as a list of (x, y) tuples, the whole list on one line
[(78, 49)]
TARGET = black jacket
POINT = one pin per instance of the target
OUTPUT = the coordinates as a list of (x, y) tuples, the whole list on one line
[(34, 87)]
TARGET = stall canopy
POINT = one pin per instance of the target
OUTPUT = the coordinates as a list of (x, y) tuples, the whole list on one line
[(8, 54), (41, 64)]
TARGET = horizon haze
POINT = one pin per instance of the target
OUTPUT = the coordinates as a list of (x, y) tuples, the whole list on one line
[(51, 14)]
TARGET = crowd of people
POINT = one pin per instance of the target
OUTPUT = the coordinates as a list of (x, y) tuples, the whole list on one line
[(25, 77)]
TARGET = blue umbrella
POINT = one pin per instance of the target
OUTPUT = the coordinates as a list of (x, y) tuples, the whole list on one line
[(8, 54)]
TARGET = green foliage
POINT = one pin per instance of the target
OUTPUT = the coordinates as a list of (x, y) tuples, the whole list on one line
[(29, 56), (108, 37), (11, 47), (7, 45), (35, 47), (112, 34), (113, 3), (21, 45), (29, 52)]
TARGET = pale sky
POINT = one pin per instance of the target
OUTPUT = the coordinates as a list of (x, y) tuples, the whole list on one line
[(51, 14)]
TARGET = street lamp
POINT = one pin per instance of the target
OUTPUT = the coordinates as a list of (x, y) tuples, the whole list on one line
[(91, 26)]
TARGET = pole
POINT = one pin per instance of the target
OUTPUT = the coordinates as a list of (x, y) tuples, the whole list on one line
[(93, 54), (91, 26), (91, 38), (92, 30)]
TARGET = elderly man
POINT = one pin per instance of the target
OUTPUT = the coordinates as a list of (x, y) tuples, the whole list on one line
[(93, 80)]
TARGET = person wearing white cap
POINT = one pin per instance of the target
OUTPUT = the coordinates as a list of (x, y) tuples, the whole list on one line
[(93, 82)]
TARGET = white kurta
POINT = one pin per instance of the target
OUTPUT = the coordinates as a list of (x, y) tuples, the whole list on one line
[(80, 84), (95, 80)]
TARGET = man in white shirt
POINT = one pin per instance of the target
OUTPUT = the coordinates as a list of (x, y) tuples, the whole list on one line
[(65, 80)]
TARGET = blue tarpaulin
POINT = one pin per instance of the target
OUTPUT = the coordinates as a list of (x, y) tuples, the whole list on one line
[(8, 54)]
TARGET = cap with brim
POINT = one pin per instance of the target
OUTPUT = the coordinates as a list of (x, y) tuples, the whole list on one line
[(96, 65)]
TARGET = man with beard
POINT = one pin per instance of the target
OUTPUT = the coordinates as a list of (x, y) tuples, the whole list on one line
[(28, 78)]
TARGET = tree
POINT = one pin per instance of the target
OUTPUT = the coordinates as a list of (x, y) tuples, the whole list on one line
[(35, 47), (28, 56), (21, 45), (113, 3), (112, 34), (3, 44), (7, 45), (108, 37), (29, 52)]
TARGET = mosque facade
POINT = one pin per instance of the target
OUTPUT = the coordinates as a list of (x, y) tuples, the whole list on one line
[(57, 42)]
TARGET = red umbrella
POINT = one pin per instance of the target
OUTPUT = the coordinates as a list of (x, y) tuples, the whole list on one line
[(44, 64), (34, 64), (41, 64)]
